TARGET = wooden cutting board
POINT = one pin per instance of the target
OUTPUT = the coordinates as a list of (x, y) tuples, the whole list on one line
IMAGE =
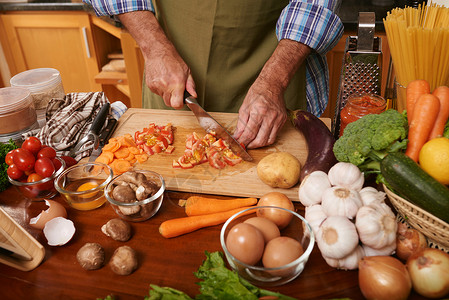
[(240, 180)]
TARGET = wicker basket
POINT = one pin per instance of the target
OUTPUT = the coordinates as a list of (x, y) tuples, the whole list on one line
[(435, 229)]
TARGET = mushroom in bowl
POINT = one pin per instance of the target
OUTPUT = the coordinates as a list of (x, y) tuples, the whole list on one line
[(136, 195)]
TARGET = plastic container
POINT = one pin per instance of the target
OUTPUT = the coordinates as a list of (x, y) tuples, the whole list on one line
[(358, 106), (43, 84), (17, 113)]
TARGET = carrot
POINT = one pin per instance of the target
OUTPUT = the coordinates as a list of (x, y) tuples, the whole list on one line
[(103, 159), (120, 166), (200, 205), (415, 89), (141, 158), (134, 150), (442, 93), (423, 119), (122, 152), (112, 146), (179, 226), (109, 155)]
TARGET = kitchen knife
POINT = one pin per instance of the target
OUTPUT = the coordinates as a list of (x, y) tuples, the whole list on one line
[(104, 138), (210, 125)]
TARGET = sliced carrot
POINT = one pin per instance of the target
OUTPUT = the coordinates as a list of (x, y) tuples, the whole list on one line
[(134, 150), (179, 226), (122, 152), (109, 155), (442, 93), (102, 159), (141, 158), (111, 146), (423, 119), (121, 166), (200, 205), (130, 157), (133, 161)]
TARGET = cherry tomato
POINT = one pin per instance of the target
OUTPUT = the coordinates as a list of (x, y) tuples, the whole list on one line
[(24, 159), (44, 167), (9, 157), (34, 177), (14, 172), (32, 144), (69, 161), (56, 163), (47, 152)]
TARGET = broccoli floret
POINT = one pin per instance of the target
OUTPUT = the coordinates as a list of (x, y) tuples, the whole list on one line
[(4, 149), (366, 141)]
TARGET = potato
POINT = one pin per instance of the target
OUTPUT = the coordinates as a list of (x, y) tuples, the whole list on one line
[(279, 170)]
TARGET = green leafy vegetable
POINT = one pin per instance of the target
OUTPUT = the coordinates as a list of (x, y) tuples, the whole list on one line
[(218, 282), (4, 149), (368, 140), (446, 130)]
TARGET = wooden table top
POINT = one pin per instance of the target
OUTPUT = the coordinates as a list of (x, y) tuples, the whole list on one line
[(164, 262)]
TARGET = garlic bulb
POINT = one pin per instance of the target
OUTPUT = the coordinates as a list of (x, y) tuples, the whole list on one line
[(370, 194), (315, 215), (340, 201), (387, 250), (337, 237), (376, 225), (349, 262), (347, 175), (312, 187)]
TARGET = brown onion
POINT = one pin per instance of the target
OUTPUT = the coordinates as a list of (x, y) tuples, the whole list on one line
[(384, 277), (279, 217), (429, 270), (408, 241)]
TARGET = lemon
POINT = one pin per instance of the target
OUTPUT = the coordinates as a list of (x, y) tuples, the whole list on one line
[(434, 159)]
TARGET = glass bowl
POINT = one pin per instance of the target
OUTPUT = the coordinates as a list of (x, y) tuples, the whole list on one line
[(42, 189), (129, 208), (298, 229), (82, 185)]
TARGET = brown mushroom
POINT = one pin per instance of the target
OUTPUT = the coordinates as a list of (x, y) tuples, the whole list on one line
[(124, 260), (117, 229), (123, 193), (90, 256)]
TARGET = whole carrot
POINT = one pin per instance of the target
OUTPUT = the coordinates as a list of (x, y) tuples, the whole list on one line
[(200, 205), (442, 93), (414, 90), (179, 226), (424, 115)]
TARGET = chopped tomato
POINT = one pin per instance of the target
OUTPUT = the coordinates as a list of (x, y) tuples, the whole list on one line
[(155, 138)]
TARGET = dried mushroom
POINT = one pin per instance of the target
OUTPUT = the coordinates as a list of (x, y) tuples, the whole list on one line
[(124, 260), (90, 256), (117, 229)]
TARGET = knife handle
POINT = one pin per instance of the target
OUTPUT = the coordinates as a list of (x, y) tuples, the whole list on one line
[(100, 118), (189, 98), (107, 132)]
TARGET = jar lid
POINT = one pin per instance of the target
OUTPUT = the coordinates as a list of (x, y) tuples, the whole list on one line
[(36, 79), (14, 98)]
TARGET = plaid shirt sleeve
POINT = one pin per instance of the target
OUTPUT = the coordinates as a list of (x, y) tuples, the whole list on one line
[(315, 24), (115, 7)]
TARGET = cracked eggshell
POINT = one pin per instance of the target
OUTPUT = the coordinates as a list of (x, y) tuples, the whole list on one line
[(58, 231), (55, 209)]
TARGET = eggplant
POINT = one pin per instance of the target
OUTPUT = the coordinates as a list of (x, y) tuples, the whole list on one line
[(319, 139)]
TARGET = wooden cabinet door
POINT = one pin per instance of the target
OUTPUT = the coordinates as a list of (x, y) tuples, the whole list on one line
[(60, 40)]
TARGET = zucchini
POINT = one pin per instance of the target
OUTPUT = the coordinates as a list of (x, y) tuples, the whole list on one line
[(410, 181)]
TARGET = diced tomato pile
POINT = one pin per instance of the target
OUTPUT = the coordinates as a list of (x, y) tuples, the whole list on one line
[(207, 149), (155, 139)]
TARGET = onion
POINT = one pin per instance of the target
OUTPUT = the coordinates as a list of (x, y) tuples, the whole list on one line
[(384, 277), (279, 217), (408, 241), (429, 270)]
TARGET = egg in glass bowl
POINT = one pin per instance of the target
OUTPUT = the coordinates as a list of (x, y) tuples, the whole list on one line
[(263, 250), (82, 185), (136, 195)]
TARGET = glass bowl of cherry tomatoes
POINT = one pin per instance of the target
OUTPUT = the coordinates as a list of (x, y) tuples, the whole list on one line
[(32, 169)]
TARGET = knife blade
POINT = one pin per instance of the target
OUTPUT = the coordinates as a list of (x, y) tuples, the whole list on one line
[(104, 138), (210, 125)]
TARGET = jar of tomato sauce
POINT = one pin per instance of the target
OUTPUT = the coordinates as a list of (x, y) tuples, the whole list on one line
[(360, 105)]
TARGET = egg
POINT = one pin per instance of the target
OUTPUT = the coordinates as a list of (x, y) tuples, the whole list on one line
[(54, 210), (268, 228), (246, 243), (281, 251), (58, 231)]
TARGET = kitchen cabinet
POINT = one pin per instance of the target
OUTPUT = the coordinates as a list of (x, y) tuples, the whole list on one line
[(61, 39)]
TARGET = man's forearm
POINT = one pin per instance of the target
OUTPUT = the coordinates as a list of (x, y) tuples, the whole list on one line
[(283, 64)]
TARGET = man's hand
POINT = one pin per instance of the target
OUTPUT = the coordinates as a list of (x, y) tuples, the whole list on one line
[(263, 111), (166, 73)]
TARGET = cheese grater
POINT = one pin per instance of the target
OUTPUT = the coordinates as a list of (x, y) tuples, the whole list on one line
[(361, 67)]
